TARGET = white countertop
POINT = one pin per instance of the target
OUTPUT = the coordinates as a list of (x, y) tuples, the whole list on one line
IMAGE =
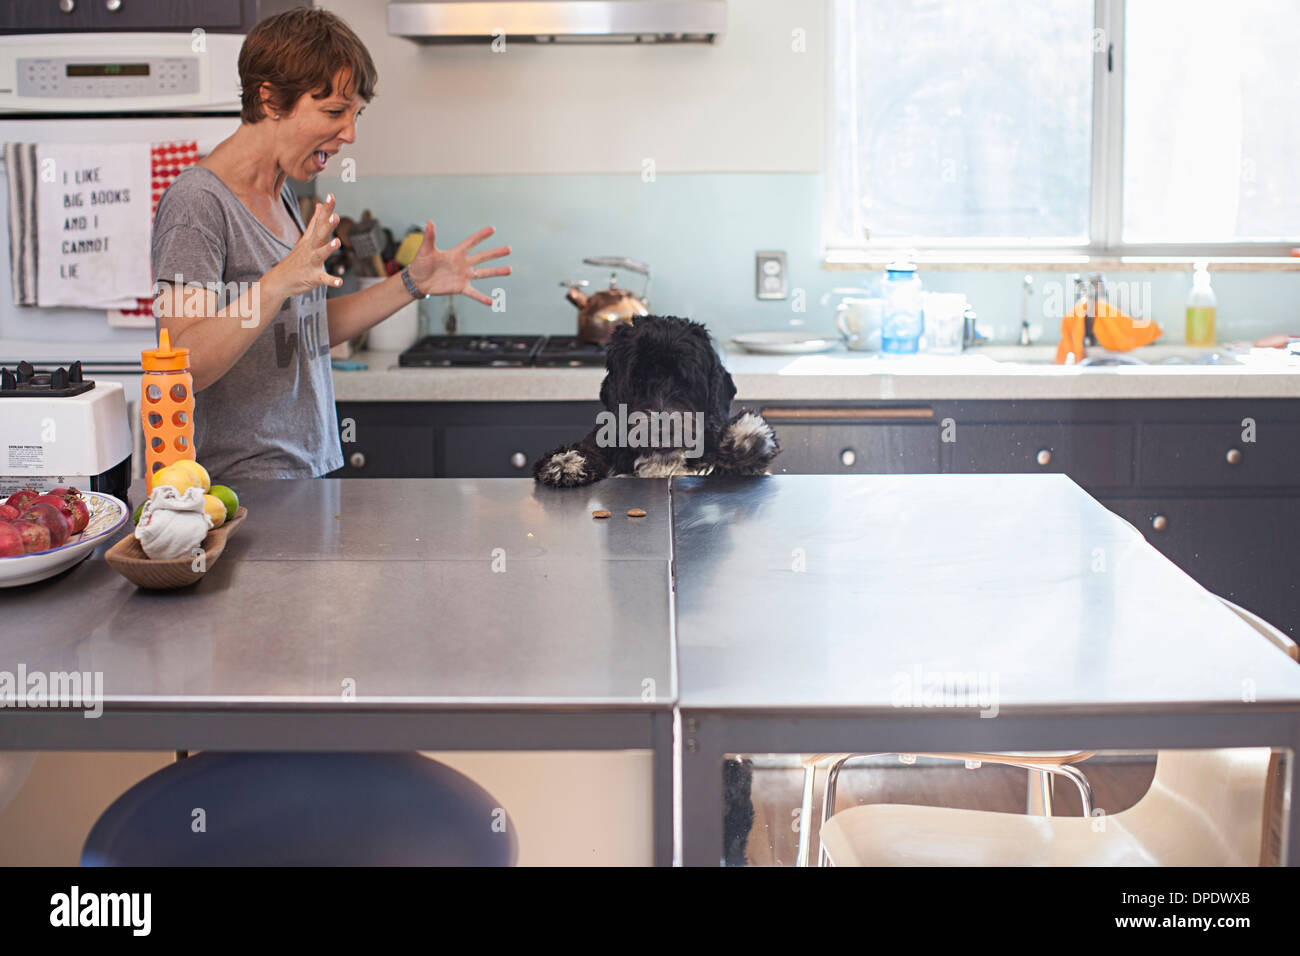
[(985, 372)]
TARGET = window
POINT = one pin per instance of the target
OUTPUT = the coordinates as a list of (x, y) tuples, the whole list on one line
[(1152, 127)]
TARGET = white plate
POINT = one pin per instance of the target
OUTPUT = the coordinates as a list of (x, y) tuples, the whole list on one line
[(107, 515), (783, 343)]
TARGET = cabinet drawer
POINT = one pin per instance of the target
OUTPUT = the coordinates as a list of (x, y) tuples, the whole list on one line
[(502, 451), (856, 449), (388, 451), (1095, 455), (1215, 454), (1244, 549)]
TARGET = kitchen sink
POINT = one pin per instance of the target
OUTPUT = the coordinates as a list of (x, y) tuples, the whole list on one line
[(1151, 355)]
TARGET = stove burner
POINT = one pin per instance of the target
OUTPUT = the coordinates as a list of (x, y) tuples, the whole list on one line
[(561, 350), (26, 382), (441, 351)]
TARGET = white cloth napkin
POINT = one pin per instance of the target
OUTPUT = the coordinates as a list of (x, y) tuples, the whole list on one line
[(172, 524), (93, 211)]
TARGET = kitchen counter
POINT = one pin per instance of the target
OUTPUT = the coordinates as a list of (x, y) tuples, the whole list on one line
[(988, 372)]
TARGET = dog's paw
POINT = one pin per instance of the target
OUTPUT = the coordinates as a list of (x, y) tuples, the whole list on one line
[(564, 468), (748, 444)]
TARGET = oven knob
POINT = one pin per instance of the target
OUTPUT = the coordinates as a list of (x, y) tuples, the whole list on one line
[(67, 6), (518, 459), (357, 460), (848, 457)]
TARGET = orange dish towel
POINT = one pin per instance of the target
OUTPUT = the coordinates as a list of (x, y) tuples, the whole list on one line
[(1114, 330)]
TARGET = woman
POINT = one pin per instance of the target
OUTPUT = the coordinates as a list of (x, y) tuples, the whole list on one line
[(239, 278)]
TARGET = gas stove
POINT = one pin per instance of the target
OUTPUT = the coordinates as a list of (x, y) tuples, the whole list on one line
[(24, 381), (58, 427), (502, 351)]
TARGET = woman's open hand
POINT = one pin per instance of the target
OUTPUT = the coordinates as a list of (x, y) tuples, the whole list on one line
[(303, 269), (450, 271)]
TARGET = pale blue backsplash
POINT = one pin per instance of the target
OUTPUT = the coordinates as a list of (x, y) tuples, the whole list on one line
[(699, 233)]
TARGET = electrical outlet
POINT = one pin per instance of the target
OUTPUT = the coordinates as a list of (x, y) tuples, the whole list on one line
[(770, 278)]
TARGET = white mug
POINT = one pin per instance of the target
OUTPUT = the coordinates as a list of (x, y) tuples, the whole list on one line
[(858, 321), (397, 332)]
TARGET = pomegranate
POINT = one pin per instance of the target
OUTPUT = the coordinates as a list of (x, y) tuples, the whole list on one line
[(59, 504), (80, 512), (11, 542), (19, 499), (9, 513), (35, 536), (53, 520)]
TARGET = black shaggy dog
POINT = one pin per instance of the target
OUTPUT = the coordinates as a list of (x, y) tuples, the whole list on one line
[(666, 369), (658, 365)]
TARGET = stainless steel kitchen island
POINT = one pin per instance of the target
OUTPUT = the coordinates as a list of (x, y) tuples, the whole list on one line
[(378, 615), (795, 614), (813, 614)]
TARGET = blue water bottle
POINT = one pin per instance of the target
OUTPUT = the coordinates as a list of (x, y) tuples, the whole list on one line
[(903, 320)]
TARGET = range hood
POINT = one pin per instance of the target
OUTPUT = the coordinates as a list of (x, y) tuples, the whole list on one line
[(559, 21)]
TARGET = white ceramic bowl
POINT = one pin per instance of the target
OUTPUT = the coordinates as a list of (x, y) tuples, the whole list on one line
[(107, 515)]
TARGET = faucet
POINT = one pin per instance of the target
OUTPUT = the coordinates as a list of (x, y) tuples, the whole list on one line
[(1026, 290), (1094, 291)]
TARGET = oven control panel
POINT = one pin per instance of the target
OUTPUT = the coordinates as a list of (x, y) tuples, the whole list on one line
[(86, 77), (131, 73)]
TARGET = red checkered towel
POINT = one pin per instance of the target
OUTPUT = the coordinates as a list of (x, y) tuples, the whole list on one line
[(167, 159)]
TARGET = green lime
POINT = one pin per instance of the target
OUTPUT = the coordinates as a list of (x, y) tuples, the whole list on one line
[(135, 518), (227, 497)]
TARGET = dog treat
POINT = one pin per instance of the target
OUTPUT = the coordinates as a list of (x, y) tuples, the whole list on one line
[(635, 513), (600, 514)]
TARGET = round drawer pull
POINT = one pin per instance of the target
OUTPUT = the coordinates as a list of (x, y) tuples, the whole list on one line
[(357, 460), (848, 457), (1234, 456), (1044, 456), (113, 5), (1160, 522), (67, 6), (518, 459)]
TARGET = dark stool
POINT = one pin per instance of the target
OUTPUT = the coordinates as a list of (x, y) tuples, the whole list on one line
[(304, 809)]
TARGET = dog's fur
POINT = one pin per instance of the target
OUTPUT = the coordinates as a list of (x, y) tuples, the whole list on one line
[(665, 364), (668, 364)]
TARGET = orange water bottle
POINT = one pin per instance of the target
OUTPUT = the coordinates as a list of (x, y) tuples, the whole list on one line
[(166, 407)]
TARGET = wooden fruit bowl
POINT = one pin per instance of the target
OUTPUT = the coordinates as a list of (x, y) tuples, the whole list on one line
[(128, 559)]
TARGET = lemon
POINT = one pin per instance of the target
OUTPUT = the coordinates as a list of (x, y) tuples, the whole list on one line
[(182, 479), (215, 509), (200, 473), (228, 498)]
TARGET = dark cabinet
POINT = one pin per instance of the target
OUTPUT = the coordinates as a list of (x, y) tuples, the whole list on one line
[(1095, 455), (871, 449), (51, 16), (506, 451), (1233, 454), (1244, 549)]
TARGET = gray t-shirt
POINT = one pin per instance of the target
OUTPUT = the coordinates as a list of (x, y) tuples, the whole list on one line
[(272, 414)]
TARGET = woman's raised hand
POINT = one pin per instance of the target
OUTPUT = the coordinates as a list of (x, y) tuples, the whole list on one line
[(303, 269), (450, 271)]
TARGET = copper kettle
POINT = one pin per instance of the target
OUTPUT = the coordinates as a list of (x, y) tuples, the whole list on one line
[(601, 312)]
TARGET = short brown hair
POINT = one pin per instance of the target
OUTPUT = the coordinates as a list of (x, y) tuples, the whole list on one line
[(301, 51)]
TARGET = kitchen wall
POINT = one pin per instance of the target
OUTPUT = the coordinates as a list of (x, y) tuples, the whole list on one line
[(549, 145)]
